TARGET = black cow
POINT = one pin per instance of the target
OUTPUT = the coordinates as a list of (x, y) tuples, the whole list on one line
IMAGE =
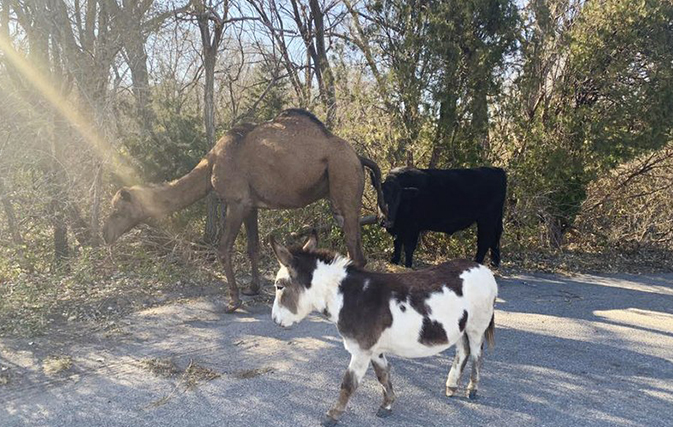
[(447, 201)]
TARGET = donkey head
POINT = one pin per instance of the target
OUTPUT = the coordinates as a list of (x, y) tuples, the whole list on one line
[(295, 297)]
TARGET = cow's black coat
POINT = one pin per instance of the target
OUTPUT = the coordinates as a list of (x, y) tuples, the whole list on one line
[(446, 201)]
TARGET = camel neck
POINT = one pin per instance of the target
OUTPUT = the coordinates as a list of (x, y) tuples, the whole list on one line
[(163, 199)]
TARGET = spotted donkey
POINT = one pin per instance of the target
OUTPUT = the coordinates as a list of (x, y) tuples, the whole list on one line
[(415, 314)]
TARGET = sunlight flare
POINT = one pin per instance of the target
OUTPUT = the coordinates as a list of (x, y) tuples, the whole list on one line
[(70, 112)]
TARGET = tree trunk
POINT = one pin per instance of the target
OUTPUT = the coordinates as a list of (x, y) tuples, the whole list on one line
[(12, 224), (446, 127), (210, 48), (322, 63), (94, 223), (135, 50), (56, 187)]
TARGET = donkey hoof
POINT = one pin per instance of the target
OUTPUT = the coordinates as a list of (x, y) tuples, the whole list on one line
[(233, 306), (250, 290), (472, 394), (451, 391), (329, 422), (384, 412)]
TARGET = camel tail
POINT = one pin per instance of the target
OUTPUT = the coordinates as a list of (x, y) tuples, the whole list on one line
[(490, 333), (375, 174)]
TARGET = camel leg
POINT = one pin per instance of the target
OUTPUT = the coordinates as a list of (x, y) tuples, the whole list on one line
[(252, 233), (346, 185), (232, 225), (353, 236)]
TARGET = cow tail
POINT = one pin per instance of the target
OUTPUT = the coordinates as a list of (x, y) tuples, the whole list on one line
[(490, 333), (375, 174)]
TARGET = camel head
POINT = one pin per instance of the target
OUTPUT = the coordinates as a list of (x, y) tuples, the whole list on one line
[(127, 211)]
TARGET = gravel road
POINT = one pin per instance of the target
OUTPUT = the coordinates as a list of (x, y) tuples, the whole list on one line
[(570, 351)]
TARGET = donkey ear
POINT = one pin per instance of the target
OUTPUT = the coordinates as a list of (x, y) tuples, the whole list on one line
[(282, 254), (312, 242), (125, 195)]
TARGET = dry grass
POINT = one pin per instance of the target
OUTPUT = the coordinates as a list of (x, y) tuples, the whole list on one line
[(191, 377), (165, 368), (56, 364), (246, 374), (195, 374)]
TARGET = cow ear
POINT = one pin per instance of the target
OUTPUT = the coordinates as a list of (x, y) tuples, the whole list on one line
[(409, 192), (283, 255), (312, 242), (125, 195)]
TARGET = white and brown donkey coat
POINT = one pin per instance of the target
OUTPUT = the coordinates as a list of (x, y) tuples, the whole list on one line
[(415, 314)]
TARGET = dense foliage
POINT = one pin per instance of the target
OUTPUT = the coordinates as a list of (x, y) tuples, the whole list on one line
[(571, 97)]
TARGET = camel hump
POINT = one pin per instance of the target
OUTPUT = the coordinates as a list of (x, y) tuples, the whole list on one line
[(239, 131), (299, 112)]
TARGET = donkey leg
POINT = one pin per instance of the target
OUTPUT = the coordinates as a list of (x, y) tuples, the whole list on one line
[(354, 374), (459, 362), (232, 225), (252, 234), (476, 341), (382, 369)]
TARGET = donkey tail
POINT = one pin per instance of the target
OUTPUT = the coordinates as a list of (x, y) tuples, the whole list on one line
[(375, 174), (490, 333)]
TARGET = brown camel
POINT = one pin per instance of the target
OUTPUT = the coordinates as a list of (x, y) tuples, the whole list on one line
[(288, 162)]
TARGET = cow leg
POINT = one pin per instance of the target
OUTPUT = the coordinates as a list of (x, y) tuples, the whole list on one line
[(495, 247), (354, 374), (252, 233), (232, 225), (397, 251), (382, 369), (459, 362), (485, 233), (476, 341), (410, 243)]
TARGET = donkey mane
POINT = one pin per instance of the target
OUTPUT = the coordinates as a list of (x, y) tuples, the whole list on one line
[(323, 255)]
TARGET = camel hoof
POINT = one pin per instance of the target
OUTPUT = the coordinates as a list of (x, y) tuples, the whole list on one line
[(233, 306), (472, 394), (329, 422), (384, 412), (250, 291), (451, 391)]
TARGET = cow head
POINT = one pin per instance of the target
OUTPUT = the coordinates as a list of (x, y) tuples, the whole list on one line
[(295, 297), (395, 196)]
